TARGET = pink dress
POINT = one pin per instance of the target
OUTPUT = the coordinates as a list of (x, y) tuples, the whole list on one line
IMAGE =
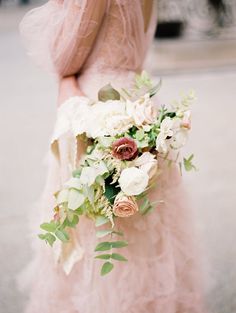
[(106, 41)]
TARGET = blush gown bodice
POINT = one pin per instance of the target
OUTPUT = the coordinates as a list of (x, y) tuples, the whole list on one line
[(105, 41)]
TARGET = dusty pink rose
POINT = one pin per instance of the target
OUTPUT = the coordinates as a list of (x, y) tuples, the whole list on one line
[(124, 149), (125, 206)]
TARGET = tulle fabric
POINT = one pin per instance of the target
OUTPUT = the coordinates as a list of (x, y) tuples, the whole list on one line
[(162, 276), (66, 36)]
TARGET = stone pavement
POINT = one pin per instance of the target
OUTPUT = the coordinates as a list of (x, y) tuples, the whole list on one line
[(27, 111)]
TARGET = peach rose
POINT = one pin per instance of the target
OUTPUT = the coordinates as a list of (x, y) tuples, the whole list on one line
[(124, 206)]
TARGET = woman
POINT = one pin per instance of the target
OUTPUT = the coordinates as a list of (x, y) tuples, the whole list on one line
[(89, 43)]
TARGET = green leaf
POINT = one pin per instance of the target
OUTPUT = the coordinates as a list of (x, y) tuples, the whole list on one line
[(119, 244), (72, 223), (143, 143), (89, 192), (50, 227), (180, 168), (62, 196), (188, 165), (140, 134), (62, 235), (49, 238), (146, 207), (118, 233), (103, 256), (76, 173), (75, 199), (118, 257), (105, 141), (155, 89), (108, 93), (103, 233), (101, 220), (111, 190), (106, 268), (103, 246), (74, 182)]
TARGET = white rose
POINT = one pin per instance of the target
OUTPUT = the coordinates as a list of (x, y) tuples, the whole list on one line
[(148, 163), (133, 181), (143, 111)]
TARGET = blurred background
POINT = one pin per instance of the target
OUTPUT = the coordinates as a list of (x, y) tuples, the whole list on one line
[(195, 48)]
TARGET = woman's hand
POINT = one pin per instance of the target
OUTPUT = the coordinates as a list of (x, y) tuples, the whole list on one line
[(68, 87)]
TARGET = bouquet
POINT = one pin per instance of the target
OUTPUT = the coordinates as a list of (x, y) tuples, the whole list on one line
[(126, 135)]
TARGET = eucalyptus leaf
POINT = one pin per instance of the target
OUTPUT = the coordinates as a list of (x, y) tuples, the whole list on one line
[(188, 164), (89, 193), (101, 220), (118, 257), (155, 89), (103, 233), (108, 93), (76, 173), (105, 141), (50, 227), (118, 233), (49, 238), (140, 134), (103, 246), (62, 196), (119, 244), (75, 199), (62, 235), (146, 207), (106, 268), (103, 256), (74, 182), (73, 222)]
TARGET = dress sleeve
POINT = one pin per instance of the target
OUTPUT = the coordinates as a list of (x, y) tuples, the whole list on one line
[(60, 34)]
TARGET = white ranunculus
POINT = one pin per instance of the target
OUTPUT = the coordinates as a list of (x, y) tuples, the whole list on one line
[(143, 111), (133, 181), (148, 163)]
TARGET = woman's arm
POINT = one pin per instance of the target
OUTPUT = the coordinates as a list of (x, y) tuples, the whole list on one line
[(68, 87)]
